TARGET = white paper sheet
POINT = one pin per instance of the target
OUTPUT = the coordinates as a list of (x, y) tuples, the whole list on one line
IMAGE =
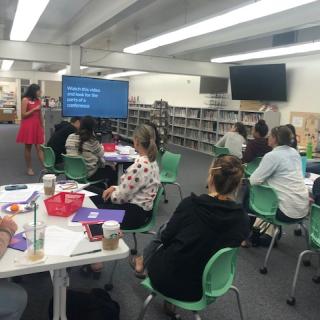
[(15, 196), (61, 242)]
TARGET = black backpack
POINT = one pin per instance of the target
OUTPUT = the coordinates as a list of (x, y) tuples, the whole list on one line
[(95, 304), (316, 191)]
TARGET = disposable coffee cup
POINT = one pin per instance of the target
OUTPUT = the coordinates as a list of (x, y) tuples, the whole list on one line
[(35, 236), (49, 184), (111, 231)]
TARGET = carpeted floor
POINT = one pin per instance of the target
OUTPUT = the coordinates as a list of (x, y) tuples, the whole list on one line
[(263, 296)]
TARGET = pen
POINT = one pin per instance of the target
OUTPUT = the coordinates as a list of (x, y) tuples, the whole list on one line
[(82, 253)]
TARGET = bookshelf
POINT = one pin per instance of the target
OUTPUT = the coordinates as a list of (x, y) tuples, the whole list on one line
[(195, 128)]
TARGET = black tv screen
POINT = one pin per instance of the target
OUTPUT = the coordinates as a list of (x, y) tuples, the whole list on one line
[(211, 85), (265, 82)]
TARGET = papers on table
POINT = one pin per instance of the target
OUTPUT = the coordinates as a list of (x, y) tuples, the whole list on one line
[(16, 196), (61, 242)]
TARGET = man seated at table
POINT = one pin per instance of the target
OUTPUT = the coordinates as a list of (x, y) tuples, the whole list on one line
[(13, 297), (58, 140)]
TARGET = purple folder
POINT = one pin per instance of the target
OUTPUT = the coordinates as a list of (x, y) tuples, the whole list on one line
[(119, 158), (98, 215), (18, 242)]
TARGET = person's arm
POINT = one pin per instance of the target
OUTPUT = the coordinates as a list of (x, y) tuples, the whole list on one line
[(97, 149), (24, 112), (7, 229), (222, 141), (266, 169), (248, 154)]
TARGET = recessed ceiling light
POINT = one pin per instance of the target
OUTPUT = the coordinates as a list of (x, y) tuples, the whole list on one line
[(247, 13), (124, 74), (6, 65), (64, 71), (270, 53)]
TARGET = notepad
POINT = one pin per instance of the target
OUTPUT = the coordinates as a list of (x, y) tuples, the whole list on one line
[(98, 215)]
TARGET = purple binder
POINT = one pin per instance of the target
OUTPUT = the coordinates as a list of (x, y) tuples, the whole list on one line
[(98, 215), (18, 242)]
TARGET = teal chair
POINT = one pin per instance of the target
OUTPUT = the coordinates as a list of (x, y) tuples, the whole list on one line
[(220, 151), (75, 169), (251, 167), (314, 248), (49, 161), (169, 170), (217, 280), (264, 204), (146, 229)]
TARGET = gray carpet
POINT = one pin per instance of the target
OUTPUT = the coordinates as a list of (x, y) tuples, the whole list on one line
[(263, 296)]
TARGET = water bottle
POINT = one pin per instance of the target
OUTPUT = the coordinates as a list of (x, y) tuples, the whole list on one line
[(309, 149)]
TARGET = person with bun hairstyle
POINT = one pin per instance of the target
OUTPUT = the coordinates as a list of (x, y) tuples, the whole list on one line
[(139, 185), (281, 169), (200, 226), (31, 130), (257, 147), (234, 139)]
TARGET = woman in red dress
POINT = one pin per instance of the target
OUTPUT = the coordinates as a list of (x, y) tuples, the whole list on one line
[(31, 128)]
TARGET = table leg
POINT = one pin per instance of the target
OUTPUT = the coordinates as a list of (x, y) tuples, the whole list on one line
[(120, 172), (60, 283)]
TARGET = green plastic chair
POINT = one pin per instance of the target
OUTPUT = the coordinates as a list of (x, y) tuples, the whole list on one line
[(49, 162), (314, 248), (220, 151), (146, 229), (75, 169), (251, 167), (169, 171), (217, 280), (264, 204)]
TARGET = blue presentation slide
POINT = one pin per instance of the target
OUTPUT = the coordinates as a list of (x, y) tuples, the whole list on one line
[(100, 98)]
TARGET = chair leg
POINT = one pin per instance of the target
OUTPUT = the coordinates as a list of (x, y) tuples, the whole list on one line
[(264, 269), (165, 194), (316, 278), (179, 187), (196, 315), (236, 290), (134, 251), (306, 262), (109, 286), (291, 300), (145, 305)]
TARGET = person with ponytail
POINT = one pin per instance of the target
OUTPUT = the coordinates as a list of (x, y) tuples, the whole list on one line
[(139, 185), (200, 226)]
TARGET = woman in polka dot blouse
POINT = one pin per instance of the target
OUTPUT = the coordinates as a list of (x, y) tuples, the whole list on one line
[(139, 185)]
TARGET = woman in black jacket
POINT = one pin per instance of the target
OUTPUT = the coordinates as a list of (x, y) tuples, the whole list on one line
[(200, 226)]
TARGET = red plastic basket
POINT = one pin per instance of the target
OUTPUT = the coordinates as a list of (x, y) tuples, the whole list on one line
[(109, 147), (64, 204)]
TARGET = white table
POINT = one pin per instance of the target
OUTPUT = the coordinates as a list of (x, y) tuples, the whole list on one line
[(58, 264)]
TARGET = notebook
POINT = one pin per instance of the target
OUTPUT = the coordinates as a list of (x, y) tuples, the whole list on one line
[(18, 242), (98, 215)]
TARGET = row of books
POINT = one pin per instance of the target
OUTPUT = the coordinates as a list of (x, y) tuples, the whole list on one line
[(209, 125), (192, 144), (193, 123), (194, 134), (207, 136), (179, 131), (251, 117), (229, 116), (179, 121), (210, 114), (224, 127), (194, 113)]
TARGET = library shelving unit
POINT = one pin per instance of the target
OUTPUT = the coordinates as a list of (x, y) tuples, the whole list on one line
[(195, 128)]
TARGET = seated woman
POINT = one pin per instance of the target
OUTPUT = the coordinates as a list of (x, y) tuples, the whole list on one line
[(139, 185), (234, 139), (257, 147), (86, 144), (281, 169), (200, 226)]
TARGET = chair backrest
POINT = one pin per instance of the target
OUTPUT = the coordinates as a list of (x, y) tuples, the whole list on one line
[(170, 163), (220, 151), (75, 168), (49, 157), (315, 226), (219, 272), (263, 200), (155, 208), (252, 166)]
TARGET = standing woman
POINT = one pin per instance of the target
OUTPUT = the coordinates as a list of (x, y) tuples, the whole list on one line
[(31, 128)]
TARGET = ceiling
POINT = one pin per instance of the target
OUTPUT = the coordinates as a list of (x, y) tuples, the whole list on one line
[(114, 25)]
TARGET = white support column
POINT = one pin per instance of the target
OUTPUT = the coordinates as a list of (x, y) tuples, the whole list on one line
[(43, 87), (75, 59), (18, 96)]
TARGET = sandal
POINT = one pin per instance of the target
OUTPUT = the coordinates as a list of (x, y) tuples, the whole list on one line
[(30, 172), (138, 274)]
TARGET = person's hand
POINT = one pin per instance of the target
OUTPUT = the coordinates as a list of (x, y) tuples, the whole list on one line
[(37, 108), (107, 193), (8, 223)]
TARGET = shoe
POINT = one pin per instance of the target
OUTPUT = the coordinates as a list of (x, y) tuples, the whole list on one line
[(30, 172), (86, 271)]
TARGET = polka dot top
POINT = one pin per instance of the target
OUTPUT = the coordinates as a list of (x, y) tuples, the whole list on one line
[(139, 185)]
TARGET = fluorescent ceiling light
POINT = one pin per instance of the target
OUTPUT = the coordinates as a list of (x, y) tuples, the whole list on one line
[(64, 71), (6, 65), (27, 15), (247, 13), (270, 53), (124, 74)]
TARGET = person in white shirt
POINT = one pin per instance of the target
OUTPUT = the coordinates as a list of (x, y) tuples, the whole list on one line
[(281, 169), (234, 139)]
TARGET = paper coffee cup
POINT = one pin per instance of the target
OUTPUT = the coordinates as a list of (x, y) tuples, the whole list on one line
[(49, 184), (111, 231)]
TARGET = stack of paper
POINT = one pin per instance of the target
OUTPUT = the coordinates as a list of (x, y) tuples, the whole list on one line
[(16, 196), (61, 242)]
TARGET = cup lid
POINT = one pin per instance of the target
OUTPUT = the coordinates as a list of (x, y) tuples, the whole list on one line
[(49, 176), (111, 225)]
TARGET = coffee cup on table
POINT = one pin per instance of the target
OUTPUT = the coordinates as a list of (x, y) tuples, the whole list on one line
[(111, 235), (49, 184)]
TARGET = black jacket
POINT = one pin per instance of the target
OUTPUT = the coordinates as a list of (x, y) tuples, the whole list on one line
[(200, 226), (58, 140)]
